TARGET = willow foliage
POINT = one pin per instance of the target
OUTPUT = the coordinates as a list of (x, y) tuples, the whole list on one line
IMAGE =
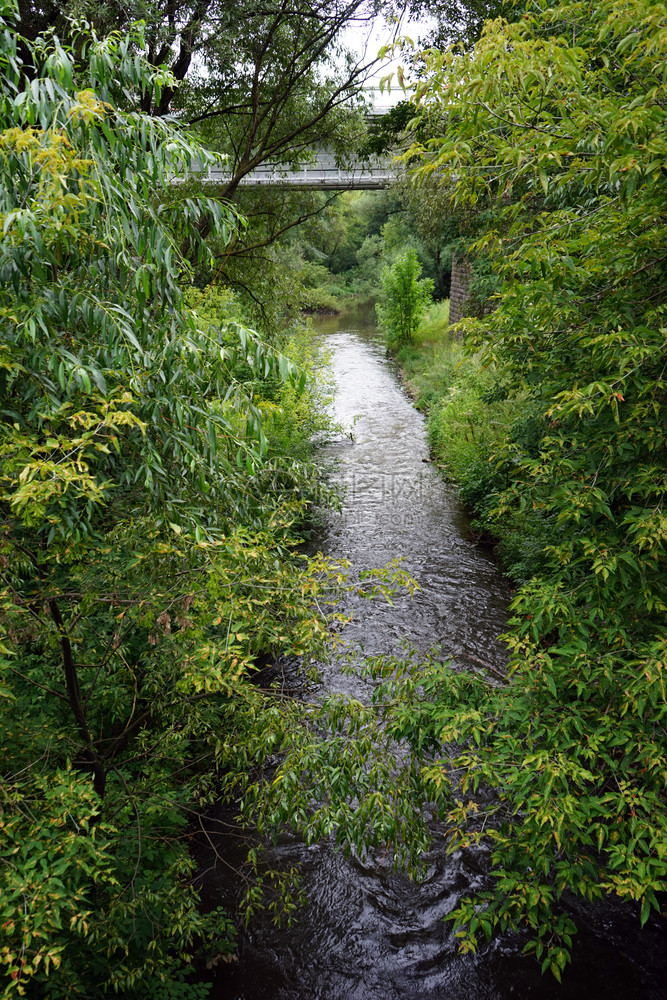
[(146, 556)]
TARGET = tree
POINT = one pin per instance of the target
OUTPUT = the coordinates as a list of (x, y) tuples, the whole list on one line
[(442, 23), (146, 545), (460, 21), (557, 121), (258, 82), (295, 87), (263, 263), (404, 299), (277, 86)]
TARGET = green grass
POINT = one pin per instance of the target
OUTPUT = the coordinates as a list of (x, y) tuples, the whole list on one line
[(321, 300), (434, 328), (469, 416)]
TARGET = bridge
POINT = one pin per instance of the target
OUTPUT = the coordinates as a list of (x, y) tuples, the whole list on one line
[(321, 172)]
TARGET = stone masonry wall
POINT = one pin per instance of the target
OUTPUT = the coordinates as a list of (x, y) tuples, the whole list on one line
[(460, 286), (461, 301)]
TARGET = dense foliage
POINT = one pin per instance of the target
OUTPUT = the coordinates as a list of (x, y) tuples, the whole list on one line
[(557, 124), (148, 494), (255, 82), (154, 465), (342, 253)]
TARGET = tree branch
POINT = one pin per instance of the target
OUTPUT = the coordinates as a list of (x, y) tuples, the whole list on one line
[(74, 698)]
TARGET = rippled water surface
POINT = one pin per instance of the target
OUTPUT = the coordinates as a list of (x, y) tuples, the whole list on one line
[(367, 933)]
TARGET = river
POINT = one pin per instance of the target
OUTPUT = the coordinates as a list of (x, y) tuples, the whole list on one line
[(367, 933)]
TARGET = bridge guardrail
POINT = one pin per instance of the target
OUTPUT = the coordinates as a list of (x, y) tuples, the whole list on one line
[(321, 173)]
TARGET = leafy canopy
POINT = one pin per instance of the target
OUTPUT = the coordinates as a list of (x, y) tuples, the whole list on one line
[(554, 126), (146, 535)]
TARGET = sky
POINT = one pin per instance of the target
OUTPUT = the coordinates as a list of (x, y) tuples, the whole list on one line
[(366, 43)]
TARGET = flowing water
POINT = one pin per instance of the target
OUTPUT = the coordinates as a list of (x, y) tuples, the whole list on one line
[(367, 933)]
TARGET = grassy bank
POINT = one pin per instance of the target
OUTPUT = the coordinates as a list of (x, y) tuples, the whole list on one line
[(469, 417), (330, 302)]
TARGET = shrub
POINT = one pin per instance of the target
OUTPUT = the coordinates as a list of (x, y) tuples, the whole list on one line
[(404, 299)]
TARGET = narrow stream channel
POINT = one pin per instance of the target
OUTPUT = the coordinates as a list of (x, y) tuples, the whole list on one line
[(368, 934)]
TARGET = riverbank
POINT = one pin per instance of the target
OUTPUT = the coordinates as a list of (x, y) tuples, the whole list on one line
[(471, 415), (574, 738), (319, 302), (468, 413)]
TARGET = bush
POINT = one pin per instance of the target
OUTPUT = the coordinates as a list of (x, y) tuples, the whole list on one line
[(574, 740), (404, 299)]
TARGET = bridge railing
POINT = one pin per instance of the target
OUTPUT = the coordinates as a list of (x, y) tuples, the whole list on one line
[(322, 172)]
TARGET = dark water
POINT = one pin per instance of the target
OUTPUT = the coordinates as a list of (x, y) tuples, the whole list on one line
[(368, 934)]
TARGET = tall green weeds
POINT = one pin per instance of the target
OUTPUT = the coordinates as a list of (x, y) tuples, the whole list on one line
[(469, 416)]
